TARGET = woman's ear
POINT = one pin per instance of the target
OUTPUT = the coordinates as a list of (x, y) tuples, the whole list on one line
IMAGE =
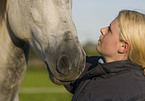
[(124, 47)]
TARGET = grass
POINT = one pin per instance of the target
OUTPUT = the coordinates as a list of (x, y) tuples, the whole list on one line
[(45, 97), (36, 86)]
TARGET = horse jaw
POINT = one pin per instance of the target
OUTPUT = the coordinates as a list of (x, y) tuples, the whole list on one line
[(47, 26)]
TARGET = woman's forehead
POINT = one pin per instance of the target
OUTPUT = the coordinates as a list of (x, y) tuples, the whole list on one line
[(114, 25)]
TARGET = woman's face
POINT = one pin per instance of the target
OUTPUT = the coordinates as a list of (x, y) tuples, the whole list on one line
[(109, 42)]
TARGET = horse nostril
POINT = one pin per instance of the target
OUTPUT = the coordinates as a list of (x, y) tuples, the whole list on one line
[(63, 65)]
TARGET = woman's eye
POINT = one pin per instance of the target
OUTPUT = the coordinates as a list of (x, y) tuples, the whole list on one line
[(109, 29)]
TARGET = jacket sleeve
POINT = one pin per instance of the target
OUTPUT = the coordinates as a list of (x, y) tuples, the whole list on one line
[(91, 62)]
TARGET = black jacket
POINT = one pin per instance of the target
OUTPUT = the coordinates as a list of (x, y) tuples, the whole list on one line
[(116, 81)]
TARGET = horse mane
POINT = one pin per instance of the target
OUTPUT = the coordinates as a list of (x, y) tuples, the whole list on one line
[(3, 4)]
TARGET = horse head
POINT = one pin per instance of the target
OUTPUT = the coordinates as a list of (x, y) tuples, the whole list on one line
[(48, 27)]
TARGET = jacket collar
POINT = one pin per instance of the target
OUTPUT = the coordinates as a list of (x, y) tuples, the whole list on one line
[(113, 67)]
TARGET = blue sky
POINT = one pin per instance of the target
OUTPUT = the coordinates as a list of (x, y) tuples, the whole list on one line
[(91, 15)]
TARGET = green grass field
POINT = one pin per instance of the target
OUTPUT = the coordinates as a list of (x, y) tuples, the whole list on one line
[(36, 86)]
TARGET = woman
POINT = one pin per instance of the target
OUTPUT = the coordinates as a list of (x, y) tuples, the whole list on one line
[(121, 78)]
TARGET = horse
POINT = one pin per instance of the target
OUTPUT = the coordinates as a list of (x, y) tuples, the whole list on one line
[(47, 27)]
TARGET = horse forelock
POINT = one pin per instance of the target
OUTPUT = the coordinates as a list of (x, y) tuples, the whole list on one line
[(3, 4)]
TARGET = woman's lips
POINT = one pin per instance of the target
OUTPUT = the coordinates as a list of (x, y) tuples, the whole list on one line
[(99, 40)]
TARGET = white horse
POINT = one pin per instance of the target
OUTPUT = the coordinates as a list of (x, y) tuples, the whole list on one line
[(47, 27)]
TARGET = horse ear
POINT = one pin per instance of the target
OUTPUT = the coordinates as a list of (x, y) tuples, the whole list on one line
[(124, 47)]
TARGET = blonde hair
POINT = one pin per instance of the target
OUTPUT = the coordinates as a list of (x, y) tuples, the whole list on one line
[(132, 29)]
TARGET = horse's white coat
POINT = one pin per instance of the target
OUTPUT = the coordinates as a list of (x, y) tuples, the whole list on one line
[(9, 78), (47, 27)]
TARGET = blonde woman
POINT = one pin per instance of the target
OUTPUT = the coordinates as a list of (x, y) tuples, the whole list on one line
[(121, 77)]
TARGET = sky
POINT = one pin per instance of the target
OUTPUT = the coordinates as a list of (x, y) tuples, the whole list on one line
[(90, 16)]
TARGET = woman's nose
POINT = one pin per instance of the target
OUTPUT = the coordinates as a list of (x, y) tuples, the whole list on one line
[(103, 31)]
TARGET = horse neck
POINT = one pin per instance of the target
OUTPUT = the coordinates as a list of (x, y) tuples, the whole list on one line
[(7, 47), (13, 61), (12, 64), (5, 43)]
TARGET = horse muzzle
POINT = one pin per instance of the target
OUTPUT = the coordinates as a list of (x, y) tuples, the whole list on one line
[(67, 68)]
